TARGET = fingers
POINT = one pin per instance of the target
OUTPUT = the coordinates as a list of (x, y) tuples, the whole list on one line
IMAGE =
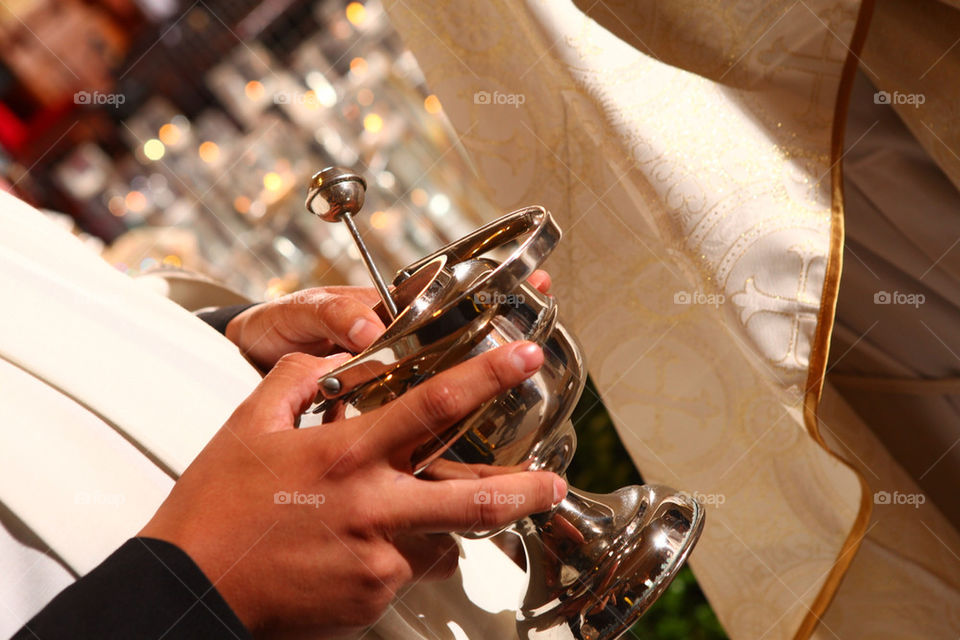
[(339, 314), (478, 505), (431, 556), (286, 392), (540, 280), (443, 469), (433, 406), (366, 295)]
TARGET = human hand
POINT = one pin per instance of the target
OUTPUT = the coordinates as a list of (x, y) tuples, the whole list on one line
[(319, 321), (312, 531)]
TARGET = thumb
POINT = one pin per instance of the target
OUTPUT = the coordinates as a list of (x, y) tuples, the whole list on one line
[(286, 392)]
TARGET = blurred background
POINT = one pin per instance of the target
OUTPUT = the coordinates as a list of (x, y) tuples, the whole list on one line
[(185, 134), (171, 134)]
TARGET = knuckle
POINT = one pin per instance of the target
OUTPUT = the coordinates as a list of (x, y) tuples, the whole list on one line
[(487, 512), (346, 458), (291, 362), (486, 515), (492, 376), (390, 571), (305, 297), (442, 402), (492, 515), (544, 491), (334, 306)]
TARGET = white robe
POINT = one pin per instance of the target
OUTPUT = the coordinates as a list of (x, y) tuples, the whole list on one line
[(108, 391)]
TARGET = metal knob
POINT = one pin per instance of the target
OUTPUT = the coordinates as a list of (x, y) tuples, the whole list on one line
[(335, 195)]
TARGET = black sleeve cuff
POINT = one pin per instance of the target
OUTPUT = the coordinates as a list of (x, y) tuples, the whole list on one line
[(220, 318), (147, 589)]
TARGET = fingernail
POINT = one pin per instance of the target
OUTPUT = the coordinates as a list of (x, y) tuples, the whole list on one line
[(363, 333), (527, 357), (559, 491)]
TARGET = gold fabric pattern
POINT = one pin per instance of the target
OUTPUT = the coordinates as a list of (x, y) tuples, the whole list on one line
[(697, 211)]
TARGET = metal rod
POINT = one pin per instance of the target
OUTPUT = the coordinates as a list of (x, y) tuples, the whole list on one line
[(371, 267)]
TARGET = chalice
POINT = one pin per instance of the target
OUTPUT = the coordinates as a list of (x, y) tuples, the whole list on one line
[(595, 563)]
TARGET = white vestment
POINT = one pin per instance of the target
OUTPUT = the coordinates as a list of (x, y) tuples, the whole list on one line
[(108, 391)]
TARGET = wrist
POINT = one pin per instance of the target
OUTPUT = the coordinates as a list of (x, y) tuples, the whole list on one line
[(219, 317), (235, 326), (207, 559)]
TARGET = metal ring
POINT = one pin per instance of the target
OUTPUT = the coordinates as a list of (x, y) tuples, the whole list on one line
[(404, 338), (544, 234)]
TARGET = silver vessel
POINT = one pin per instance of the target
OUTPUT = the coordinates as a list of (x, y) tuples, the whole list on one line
[(595, 563)]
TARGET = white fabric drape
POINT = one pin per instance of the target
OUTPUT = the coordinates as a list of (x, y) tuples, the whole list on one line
[(108, 391), (691, 152)]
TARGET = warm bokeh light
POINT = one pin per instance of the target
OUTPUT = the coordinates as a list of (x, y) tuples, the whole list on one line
[(254, 90), (272, 181), (173, 261), (153, 149), (365, 97), (326, 95), (379, 220), (242, 204), (310, 100), (373, 123), (432, 104), (170, 134), (358, 67), (117, 206), (439, 204), (135, 201), (209, 152), (386, 180), (419, 197), (356, 13), (275, 289)]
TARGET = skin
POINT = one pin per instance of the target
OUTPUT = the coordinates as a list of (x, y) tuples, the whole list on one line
[(364, 526), (321, 322)]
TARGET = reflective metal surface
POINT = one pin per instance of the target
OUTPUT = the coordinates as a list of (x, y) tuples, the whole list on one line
[(595, 562), (335, 195), (440, 296)]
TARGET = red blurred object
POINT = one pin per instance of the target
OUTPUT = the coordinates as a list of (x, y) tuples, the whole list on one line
[(13, 131)]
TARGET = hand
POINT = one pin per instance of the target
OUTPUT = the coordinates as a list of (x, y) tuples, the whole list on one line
[(313, 531), (318, 321)]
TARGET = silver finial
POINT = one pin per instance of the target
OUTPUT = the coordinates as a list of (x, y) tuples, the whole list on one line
[(335, 195)]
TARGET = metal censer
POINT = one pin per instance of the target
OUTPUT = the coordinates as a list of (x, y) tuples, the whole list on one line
[(595, 563)]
